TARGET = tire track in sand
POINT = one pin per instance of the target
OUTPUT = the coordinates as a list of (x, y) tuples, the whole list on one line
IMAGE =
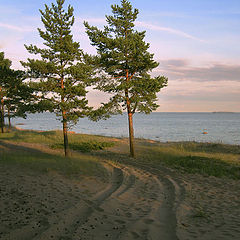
[(66, 224), (162, 218), (61, 225), (140, 203), (143, 207)]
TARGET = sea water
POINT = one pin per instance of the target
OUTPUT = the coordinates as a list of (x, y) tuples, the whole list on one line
[(220, 127)]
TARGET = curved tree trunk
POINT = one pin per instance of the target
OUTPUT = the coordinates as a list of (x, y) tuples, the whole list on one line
[(64, 118), (1, 120), (9, 118), (65, 136), (130, 120), (131, 135), (2, 114)]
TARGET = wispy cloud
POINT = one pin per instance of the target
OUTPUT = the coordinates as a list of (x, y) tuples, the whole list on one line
[(191, 96), (180, 69), (16, 28), (169, 30), (148, 26)]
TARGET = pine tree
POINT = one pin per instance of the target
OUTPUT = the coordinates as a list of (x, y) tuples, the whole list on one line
[(126, 65), (62, 73), (18, 97), (4, 66)]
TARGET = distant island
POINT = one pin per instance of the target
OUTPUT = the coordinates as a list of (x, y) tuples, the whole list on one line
[(223, 112)]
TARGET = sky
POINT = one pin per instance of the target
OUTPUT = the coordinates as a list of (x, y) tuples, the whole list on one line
[(196, 43)]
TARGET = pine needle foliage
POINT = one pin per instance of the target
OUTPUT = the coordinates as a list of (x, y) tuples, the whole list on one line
[(16, 96), (62, 70), (126, 65), (4, 66), (19, 99)]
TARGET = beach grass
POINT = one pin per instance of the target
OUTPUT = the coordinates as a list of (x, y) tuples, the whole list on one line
[(38, 155), (54, 139), (43, 163), (208, 159)]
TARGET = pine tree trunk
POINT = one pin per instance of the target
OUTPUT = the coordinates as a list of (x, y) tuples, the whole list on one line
[(9, 118), (130, 120), (2, 115), (64, 118), (131, 135), (1, 120), (65, 136)]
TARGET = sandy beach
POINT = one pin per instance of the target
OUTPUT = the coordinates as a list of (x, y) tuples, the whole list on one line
[(137, 202)]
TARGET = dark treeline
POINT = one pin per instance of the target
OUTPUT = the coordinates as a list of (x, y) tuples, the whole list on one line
[(57, 79), (16, 96)]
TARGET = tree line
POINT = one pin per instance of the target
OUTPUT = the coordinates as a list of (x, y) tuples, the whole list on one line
[(57, 79)]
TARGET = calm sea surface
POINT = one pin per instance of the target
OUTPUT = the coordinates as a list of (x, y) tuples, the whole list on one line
[(221, 127)]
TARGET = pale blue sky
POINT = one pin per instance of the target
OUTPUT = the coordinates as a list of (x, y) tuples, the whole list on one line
[(195, 41)]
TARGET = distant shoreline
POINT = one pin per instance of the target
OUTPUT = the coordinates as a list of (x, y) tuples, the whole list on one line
[(224, 112)]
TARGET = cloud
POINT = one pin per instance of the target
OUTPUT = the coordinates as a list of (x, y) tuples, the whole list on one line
[(16, 28), (182, 70), (192, 96), (167, 29), (171, 63), (145, 25)]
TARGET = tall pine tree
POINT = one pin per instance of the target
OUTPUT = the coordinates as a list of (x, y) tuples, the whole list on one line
[(62, 73), (4, 66), (126, 65)]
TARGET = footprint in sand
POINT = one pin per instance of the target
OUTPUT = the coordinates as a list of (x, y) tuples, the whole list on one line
[(128, 214), (135, 235), (148, 221), (120, 221)]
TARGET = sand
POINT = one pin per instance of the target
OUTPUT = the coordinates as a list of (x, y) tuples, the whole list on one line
[(137, 203)]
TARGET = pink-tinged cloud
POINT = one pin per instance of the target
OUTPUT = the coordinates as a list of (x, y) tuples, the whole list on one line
[(195, 96), (167, 29), (16, 28), (180, 69)]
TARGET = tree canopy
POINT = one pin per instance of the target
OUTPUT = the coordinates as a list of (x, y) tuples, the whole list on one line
[(62, 71), (4, 66), (125, 64), (16, 95)]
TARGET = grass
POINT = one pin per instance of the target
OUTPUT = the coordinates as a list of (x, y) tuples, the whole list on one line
[(42, 160), (43, 163), (87, 146), (209, 147), (208, 159), (54, 139)]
